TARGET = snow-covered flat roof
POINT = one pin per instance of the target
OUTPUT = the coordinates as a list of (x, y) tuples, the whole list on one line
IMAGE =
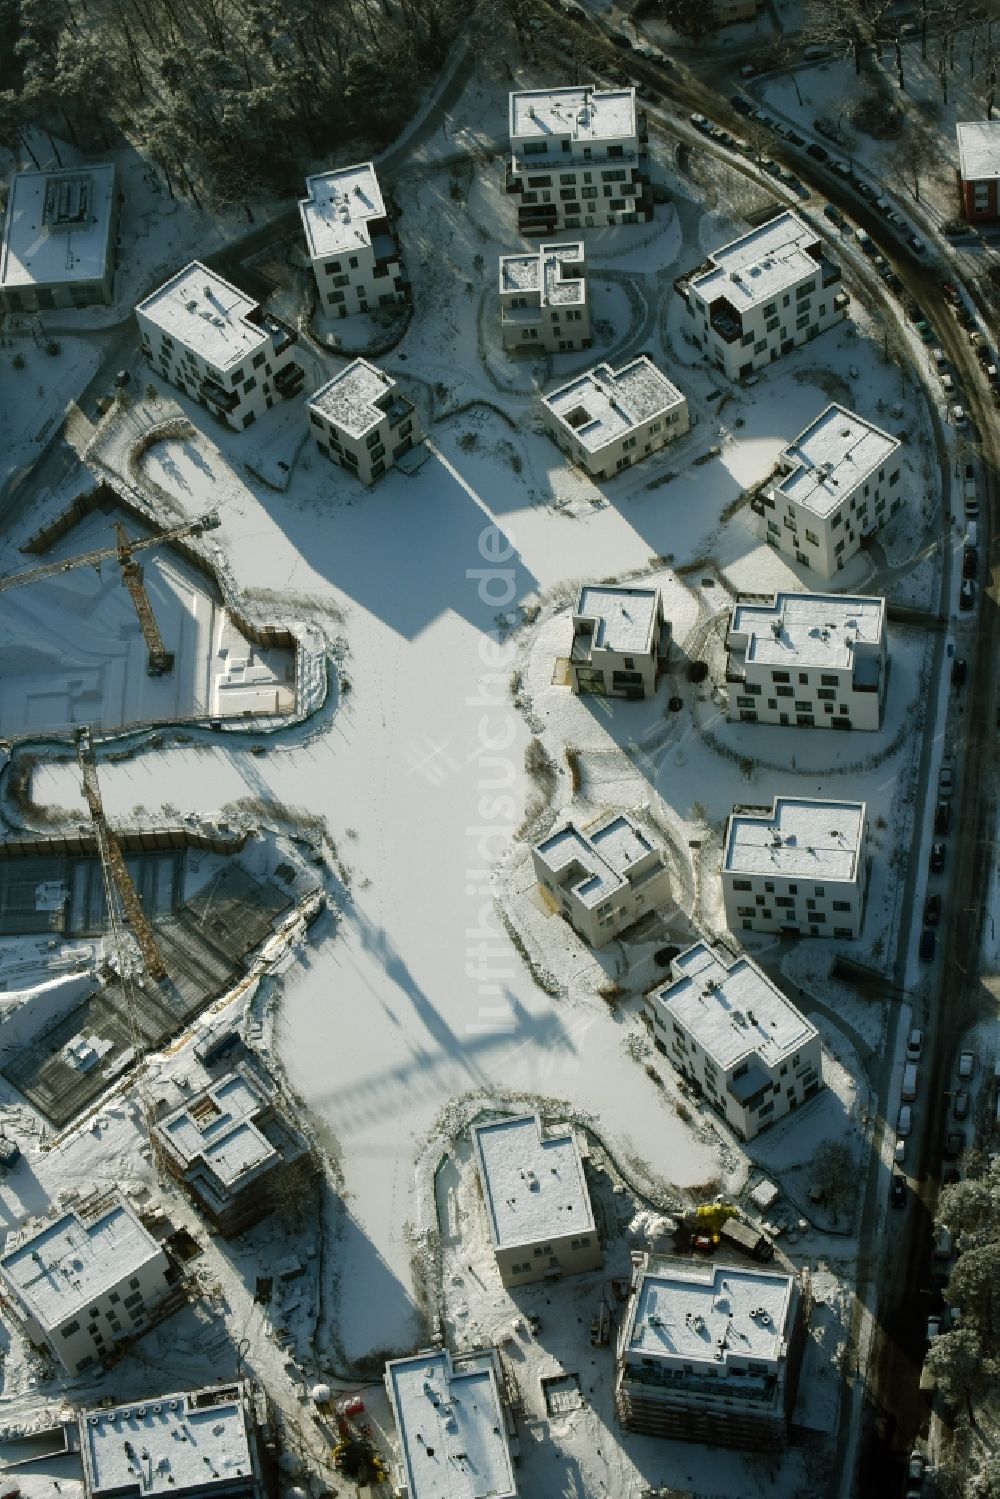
[(533, 1184), (833, 455), (219, 1125), (605, 404), (626, 617), (761, 264), (195, 1440), (978, 149), (820, 840), (807, 629), (63, 1266), (357, 398), (583, 114), (547, 271), (686, 1313), (338, 208), (452, 1426), (58, 226), (731, 1008), (207, 314), (599, 858)]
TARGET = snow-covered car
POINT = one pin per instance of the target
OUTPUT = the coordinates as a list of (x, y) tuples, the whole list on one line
[(917, 245), (966, 1066), (958, 416)]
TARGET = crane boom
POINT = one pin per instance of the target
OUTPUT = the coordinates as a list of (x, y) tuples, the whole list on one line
[(206, 522), (111, 859), (160, 659)]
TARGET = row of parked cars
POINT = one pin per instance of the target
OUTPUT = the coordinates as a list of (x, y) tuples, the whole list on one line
[(737, 143), (954, 1137)]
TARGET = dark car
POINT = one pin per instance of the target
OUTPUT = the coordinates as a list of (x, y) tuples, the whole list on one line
[(937, 858), (970, 562), (793, 138), (742, 106), (967, 595), (928, 944), (818, 152), (932, 909), (954, 1144), (958, 671), (913, 309), (893, 282), (942, 818), (897, 1192), (834, 214)]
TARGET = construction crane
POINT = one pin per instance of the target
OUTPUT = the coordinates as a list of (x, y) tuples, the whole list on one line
[(117, 879), (160, 659)]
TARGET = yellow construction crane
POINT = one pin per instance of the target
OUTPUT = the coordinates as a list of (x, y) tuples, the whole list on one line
[(160, 659), (117, 880)]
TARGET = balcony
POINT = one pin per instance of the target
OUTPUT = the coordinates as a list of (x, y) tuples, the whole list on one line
[(831, 272), (216, 396), (289, 379), (724, 321), (513, 182)]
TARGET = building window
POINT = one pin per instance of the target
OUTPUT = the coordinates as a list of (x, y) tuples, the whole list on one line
[(742, 885), (70, 1328)]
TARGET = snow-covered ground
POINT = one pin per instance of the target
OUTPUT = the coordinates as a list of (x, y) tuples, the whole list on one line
[(34, 397)]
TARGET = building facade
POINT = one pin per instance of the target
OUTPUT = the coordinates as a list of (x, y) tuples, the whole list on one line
[(84, 1283), (817, 660), (762, 295), (606, 420), (361, 420), (620, 640), (578, 159), (979, 169), (798, 866), (603, 878), (736, 1038), (218, 346), (543, 300), (231, 1147), (454, 1425), (195, 1444), (59, 239), (352, 248), (537, 1201), (840, 480), (710, 1353)]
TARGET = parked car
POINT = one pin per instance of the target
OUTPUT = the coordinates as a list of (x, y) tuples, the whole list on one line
[(970, 562), (897, 1192), (914, 1044), (933, 1327), (834, 214), (925, 331), (942, 818), (742, 106), (948, 383), (946, 782), (966, 1066), (917, 245), (904, 1124), (932, 909), (960, 1107), (937, 858), (899, 1152), (928, 944), (817, 152), (967, 595), (959, 670), (842, 169), (958, 416), (954, 1144)]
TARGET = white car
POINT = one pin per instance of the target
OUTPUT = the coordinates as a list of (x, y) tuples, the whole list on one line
[(899, 1153), (904, 1127), (933, 1328), (915, 1045), (958, 416), (966, 1066)]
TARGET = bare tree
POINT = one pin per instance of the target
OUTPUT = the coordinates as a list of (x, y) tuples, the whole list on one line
[(914, 153)]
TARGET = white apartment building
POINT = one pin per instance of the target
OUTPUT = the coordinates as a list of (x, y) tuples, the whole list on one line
[(602, 878), (354, 254), (218, 345), (537, 1202), (818, 660), (736, 1038), (454, 1426), (761, 295), (606, 419), (543, 300), (59, 239), (839, 484), (362, 421), (577, 159), (798, 866), (620, 639), (83, 1284), (710, 1353), (195, 1444)]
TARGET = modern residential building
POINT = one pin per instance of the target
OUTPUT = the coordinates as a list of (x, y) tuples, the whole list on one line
[(361, 420), (797, 866), (454, 1426), (736, 1038), (710, 1353), (230, 1147), (620, 639), (602, 878), (818, 660), (195, 1444), (355, 258), (59, 239), (839, 483), (979, 168), (218, 345), (537, 1201), (578, 159), (762, 294), (543, 300), (86, 1281), (606, 419)]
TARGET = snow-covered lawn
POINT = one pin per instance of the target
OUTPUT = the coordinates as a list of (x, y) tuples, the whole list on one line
[(34, 398)]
